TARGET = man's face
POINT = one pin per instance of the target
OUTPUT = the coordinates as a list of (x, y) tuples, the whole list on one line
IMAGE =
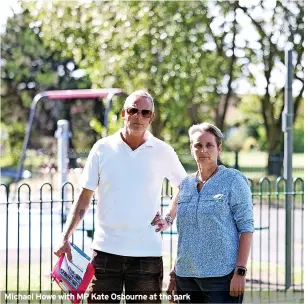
[(204, 148), (135, 119)]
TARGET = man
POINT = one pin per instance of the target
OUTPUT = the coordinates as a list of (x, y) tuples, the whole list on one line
[(128, 168)]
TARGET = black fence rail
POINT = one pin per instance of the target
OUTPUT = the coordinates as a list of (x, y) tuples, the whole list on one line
[(31, 225)]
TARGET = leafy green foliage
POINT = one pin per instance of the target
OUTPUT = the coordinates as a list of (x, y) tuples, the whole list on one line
[(165, 47), (194, 57), (30, 67)]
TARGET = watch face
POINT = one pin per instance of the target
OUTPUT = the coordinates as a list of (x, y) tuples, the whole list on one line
[(241, 271), (169, 219)]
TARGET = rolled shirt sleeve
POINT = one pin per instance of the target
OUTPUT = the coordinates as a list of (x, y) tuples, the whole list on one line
[(90, 174), (175, 172), (241, 204)]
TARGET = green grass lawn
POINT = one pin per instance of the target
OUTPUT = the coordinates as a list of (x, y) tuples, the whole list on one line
[(251, 296), (257, 159), (252, 164), (24, 278), (246, 159)]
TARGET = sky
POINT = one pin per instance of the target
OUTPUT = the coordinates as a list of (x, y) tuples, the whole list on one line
[(6, 11)]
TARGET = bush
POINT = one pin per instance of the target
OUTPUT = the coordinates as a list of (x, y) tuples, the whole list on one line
[(298, 141), (16, 133), (250, 144)]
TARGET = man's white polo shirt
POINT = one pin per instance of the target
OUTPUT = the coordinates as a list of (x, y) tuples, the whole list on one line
[(129, 193)]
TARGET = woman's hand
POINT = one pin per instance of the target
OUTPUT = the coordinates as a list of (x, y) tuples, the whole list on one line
[(237, 286), (172, 287), (160, 222)]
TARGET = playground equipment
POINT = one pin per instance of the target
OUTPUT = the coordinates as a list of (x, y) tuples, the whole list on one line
[(60, 95), (63, 134), (8, 175)]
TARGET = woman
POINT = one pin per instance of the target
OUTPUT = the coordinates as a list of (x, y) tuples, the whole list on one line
[(214, 224)]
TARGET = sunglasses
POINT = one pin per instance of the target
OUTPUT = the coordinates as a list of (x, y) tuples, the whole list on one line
[(133, 111)]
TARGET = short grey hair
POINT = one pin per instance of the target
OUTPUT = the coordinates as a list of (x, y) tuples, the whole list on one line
[(206, 127), (140, 93)]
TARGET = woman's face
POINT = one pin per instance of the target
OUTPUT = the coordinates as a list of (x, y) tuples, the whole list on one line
[(204, 148)]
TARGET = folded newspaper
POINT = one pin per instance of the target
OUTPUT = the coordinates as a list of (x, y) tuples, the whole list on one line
[(75, 276)]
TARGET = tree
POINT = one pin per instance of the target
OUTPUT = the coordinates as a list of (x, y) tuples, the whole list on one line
[(278, 27), (166, 47), (29, 67), (194, 57)]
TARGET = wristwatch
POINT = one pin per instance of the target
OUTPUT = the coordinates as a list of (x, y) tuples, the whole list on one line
[(169, 219), (240, 270)]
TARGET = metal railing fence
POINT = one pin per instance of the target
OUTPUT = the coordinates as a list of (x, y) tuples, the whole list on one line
[(31, 225)]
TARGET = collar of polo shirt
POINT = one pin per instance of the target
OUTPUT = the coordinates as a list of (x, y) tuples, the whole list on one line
[(148, 143)]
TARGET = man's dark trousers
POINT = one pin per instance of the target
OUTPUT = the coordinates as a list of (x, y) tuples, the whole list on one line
[(140, 276)]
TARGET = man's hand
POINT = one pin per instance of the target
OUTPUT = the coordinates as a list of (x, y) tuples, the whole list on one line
[(237, 286), (160, 222), (64, 247)]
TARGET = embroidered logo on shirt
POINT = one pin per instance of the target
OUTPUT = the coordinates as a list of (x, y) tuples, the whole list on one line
[(218, 196)]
